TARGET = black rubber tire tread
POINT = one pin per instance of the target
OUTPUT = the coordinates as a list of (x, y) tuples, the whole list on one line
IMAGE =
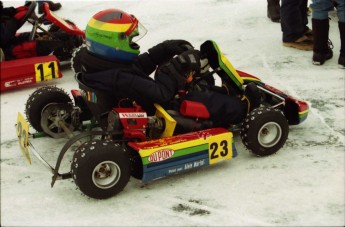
[(92, 63), (252, 124), (39, 99), (76, 59), (92, 153)]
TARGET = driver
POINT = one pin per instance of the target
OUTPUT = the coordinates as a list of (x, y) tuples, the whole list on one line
[(17, 45), (112, 62)]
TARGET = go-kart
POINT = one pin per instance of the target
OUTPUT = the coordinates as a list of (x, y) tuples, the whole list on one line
[(20, 72), (131, 143)]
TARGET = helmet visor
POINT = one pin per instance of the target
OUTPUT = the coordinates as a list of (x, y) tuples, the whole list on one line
[(138, 33)]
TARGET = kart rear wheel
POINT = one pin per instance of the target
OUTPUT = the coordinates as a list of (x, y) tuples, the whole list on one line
[(76, 59), (38, 100), (56, 119), (264, 131), (101, 168)]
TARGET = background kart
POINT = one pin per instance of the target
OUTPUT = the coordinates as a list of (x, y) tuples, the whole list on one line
[(20, 72), (149, 147)]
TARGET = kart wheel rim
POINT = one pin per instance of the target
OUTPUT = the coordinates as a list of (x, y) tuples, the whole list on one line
[(106, 174), (51, 117), (269, 134)]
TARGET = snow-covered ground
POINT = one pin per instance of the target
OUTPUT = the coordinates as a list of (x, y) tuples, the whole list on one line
[(301, 185)]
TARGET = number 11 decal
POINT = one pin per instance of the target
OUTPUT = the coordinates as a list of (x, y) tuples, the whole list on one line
[(46, 71)]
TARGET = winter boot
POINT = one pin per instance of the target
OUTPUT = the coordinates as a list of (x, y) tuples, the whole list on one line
[(322, 50), (302, 43), (273, 10), (341, 60)]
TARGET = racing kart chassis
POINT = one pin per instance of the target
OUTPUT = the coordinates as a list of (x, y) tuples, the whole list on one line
[(26, 71), (149, 147)]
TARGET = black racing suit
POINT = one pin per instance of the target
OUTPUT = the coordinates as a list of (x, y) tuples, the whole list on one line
[(133, 81)]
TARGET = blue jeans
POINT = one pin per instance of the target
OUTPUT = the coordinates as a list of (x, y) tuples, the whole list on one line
[(320, 9), (293, 19)]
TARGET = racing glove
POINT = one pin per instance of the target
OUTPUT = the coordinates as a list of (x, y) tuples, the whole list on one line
[(183, 67), (164, 51)]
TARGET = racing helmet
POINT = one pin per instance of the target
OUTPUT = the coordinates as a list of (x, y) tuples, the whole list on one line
[(112, 34)]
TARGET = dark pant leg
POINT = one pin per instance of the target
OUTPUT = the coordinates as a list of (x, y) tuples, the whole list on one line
[(224, 109), (292, 19), (304, 15)]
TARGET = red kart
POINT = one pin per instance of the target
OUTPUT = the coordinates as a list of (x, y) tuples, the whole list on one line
[(20, 72), (146, 147)]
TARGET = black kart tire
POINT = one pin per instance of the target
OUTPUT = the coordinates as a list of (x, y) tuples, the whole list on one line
[(76, 64), (82, 58), (40, 99), (101, 168), (264, 131)]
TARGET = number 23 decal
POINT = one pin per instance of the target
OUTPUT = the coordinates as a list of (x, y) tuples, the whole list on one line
[(23, 136), (219, 150)]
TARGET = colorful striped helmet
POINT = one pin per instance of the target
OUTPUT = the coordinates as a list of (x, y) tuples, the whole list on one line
[(112, 33)]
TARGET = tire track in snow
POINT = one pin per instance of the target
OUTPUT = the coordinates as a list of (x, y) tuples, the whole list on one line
[(293, 93)]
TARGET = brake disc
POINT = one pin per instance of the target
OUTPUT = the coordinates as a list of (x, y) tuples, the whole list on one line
[(56, 120)]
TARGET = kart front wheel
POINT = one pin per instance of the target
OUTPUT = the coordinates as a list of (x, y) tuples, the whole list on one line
[(264, 131), (100, 168)]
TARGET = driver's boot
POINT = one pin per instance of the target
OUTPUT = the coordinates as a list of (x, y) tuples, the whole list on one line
[(252, 96)]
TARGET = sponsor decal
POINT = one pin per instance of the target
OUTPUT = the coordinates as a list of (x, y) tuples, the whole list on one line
[(161, 155), (18, 82), (133, 115), (10, 83)]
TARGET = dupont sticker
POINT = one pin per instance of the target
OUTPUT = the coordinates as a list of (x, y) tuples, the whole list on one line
[(161, 155)]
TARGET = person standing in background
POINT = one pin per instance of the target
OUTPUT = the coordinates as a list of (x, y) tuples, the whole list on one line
[(273, 10), (322, 50), (294, 20)]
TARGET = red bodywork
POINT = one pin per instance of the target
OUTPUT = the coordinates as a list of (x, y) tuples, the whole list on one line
[(296, 111), (22, 72), (64, 25), (134, 122)]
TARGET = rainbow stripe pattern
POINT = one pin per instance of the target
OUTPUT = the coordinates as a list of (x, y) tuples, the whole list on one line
[(103, 34), (173, 155), (91, 96)]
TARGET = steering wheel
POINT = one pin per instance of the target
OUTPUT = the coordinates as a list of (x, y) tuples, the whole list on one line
[(207, 77), (31, 10)]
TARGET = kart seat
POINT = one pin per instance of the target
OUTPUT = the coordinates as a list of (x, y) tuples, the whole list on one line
[(226, 71), (99, 102), (64, 25)]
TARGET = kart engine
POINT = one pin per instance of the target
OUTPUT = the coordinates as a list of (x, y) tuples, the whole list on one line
[(135, 124)]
